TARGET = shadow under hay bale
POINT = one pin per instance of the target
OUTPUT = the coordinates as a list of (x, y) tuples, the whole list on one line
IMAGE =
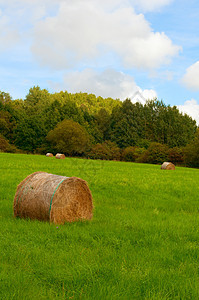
[(49, 154), (53, 198), (60, 156), (167, 166)]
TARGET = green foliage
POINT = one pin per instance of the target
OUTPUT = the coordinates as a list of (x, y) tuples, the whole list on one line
[(96, 136), (93, 104), (176, 155), (131, 124), (132, 153), (106, 151), (57, 111), (5, 146), (192, 152), (7, 121), (37, 98), (156, 154), (69, 137), (27, 123), (126, 125), (30, 132), (5, 98), (5, 125), (103, 122), (166, 125), (99, 151), (144, 143)]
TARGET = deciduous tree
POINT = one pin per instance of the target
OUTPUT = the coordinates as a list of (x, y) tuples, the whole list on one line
[(69, 137)]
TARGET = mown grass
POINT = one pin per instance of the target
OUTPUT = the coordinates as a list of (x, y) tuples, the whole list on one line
[(141, 244)]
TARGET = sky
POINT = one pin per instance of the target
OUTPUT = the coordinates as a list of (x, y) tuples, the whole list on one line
[(137, 49)]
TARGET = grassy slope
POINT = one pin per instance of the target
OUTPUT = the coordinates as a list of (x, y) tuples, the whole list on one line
[(141, 244)]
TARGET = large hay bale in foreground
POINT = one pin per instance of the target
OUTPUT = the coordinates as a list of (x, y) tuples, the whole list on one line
[(53, 198), (49, 154), (60, 156), (167, 166)]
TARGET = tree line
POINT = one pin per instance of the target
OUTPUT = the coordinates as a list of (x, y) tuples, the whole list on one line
[(84, 125)]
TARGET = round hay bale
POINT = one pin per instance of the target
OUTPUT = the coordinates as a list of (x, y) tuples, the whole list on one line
[(167, 166), (60, 156), (49, 154), (53, 198)]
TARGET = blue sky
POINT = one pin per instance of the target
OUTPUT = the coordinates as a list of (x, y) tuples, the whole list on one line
[(112, 48)]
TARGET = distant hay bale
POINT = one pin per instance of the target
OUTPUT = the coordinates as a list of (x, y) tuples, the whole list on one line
[(49, 154), (167, 166), (60, 156), (53, 198)]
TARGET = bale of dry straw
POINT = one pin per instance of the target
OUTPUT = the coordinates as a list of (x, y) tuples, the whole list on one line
[(60, 156), (53, 198), (167, 166), (49, 154)]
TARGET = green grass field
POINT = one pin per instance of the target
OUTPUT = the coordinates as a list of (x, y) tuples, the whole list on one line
[(143, 241)]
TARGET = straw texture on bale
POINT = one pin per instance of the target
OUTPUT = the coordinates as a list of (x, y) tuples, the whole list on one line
[(167, 166), (49, 154), (53, 198), (60, 156)]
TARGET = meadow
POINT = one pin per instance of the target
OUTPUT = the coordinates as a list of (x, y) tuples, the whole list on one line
[(142, 242)]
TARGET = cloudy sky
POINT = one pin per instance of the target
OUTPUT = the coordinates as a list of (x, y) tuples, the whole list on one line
[(112, 48)]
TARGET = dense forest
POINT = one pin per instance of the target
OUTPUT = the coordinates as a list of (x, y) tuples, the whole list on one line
[(84, 125)]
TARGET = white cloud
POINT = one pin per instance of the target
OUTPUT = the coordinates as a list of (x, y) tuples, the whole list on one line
[(143, 95), (84, 32), (191, 78), (8, 35), (92, 33), (191, 108), (109, 83), (67, 33), (145, 4), (151, 5), (149, 94)]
